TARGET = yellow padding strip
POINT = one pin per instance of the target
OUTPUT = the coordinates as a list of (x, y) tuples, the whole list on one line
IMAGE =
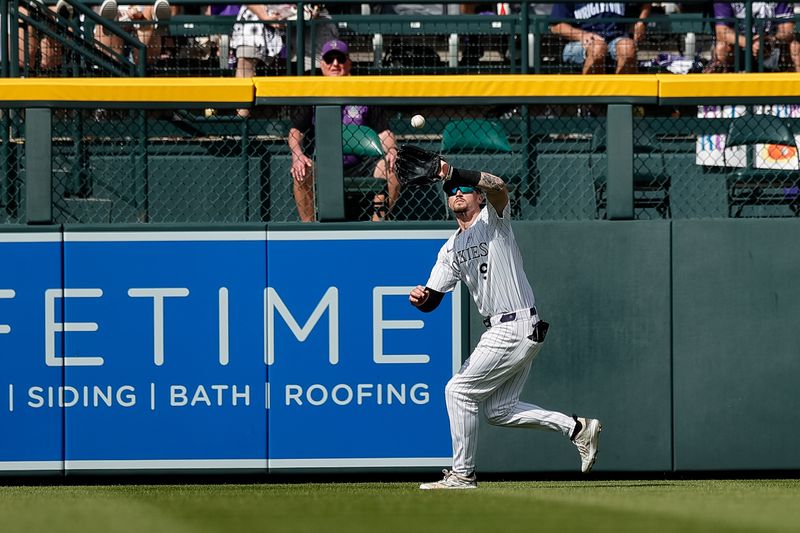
[(728, 85), (127, 90), (509, 85)]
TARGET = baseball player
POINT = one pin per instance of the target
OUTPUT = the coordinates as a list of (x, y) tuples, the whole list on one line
[(483, 253)]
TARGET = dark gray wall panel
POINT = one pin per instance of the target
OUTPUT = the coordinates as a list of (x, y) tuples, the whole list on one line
[(605, 289), (736, 343)]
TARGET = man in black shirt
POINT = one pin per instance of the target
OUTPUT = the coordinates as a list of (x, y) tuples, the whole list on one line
[(336, 62)]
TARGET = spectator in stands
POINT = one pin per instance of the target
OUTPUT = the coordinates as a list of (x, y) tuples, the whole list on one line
[(335, 63), (413, 9), (773, 26), (255, 41), (596, 34), (37, 50), (324, 33), (160, 11)]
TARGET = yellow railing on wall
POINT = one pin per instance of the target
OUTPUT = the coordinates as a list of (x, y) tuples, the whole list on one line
[(236, 92)]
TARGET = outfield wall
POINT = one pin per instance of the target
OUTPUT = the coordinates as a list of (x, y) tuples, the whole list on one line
[(680, 336)]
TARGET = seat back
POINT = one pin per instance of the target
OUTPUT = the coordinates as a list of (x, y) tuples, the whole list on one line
[(757, 184), (643, 141), (474, 135), (759, 129), (751, 130), (361, 141), (481, 144), (651, 181)]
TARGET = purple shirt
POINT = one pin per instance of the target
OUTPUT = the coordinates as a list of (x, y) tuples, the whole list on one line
[(221, 9), (761, 10)]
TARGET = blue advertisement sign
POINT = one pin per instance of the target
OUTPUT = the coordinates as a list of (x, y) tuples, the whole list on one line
[(163, 351), (30, 270), (223, 350), (356, 373)]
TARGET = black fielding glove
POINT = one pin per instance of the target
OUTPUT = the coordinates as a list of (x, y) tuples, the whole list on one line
[(417, 167)]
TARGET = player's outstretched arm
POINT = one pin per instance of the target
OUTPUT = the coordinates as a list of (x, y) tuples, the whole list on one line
[(495, 190), (492, 186)]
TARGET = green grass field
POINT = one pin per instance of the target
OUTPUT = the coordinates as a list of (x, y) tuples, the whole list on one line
[(563, 506)]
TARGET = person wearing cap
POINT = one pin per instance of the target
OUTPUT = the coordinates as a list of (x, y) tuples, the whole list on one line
[(336, 63)]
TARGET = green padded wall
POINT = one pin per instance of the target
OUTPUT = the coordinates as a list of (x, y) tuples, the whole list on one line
[(736, 343), (605, 289)]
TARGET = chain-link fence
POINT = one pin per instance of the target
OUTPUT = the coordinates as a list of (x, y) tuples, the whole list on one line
[(729, 161), (133, 166), (12, 167)]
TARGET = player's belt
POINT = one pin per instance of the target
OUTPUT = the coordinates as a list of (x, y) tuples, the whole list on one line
[(523, 314)]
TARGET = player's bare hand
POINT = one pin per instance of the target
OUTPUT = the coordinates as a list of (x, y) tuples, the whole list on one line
[(444, 168), (300, 167), (418, 295)]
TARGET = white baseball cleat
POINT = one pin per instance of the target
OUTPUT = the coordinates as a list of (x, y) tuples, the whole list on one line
[(452, 481), (586, 441)]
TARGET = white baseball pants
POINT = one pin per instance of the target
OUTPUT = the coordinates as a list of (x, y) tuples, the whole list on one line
[(494, 376)]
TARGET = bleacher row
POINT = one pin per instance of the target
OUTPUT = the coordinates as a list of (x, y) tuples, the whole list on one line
[(196, 44)]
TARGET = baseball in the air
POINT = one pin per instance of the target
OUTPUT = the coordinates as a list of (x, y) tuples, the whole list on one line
[(417, 121)]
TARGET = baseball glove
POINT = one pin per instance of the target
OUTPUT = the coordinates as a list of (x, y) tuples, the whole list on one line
[(417, 167)]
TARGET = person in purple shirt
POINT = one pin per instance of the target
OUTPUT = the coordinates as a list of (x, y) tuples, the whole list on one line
[(595, 34), (336, 63), (776, 19)]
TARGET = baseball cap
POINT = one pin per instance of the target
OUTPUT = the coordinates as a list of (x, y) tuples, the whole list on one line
[(335, 46)]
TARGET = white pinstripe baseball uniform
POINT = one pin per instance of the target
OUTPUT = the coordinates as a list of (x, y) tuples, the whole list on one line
[(486, 257)]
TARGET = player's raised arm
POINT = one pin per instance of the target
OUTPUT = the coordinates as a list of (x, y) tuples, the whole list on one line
[(417, 167), (492, 186), (495, 190)]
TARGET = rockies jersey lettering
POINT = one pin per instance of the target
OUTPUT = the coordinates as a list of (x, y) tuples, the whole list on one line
[(487, 259)]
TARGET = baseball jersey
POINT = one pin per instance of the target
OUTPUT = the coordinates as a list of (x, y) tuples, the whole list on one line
[(486, 257), (586, 16), (761, 10)]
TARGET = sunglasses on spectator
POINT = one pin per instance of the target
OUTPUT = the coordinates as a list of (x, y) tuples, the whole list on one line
[(464, 190), (340, 57)]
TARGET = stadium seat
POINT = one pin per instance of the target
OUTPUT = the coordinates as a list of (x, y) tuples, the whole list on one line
[(753, 184), (484, 136), (482, 144), (361, 141), (651, 182)]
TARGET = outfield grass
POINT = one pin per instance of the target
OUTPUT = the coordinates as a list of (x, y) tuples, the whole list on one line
[(587, 506)]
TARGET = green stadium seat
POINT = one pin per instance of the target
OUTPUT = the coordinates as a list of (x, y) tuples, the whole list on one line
[(361, 141), (482, 144), (750, 185), (651, 181), (481, 135)]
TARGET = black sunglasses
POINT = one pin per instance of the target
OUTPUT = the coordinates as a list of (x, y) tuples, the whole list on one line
[(465, 189), (329, 57)]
